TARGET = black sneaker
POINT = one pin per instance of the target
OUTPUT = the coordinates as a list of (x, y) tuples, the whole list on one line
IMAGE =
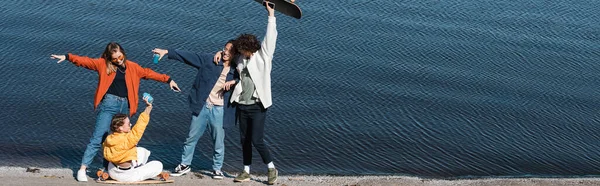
[(217, 175), (181, 170)]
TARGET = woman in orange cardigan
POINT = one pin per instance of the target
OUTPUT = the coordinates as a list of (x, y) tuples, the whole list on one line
[(117, 92)]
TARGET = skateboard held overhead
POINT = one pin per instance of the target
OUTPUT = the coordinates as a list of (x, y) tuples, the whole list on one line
[(285, 7)]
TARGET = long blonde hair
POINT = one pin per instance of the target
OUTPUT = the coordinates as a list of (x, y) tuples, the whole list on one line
[(107, 55)]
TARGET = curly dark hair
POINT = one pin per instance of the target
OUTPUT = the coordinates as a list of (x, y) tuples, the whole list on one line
[(247, 43), (117, 121)]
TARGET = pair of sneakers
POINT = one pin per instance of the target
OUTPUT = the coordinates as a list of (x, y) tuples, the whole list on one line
[(271, 176), (184, 169)]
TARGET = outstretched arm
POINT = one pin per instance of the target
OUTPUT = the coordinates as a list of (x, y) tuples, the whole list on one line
[(189, 58), (148, 73), (81, 61)]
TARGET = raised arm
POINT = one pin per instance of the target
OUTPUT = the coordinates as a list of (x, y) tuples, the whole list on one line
[(189, 58), (270, 39), (137, 131)]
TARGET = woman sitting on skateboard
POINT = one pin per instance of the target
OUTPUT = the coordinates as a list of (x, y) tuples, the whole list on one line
[(117, 92), (128, 163)]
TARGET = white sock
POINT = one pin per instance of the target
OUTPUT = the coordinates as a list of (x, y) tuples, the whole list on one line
[(271, 165), (247, 168)]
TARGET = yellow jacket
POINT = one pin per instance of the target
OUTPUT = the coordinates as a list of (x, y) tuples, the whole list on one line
[(121, 147)]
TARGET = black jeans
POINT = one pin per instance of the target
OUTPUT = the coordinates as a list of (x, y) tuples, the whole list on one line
[(252, 127)]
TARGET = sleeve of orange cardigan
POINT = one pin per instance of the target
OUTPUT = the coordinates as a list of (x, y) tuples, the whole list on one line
[(148, 73), (85, 62)]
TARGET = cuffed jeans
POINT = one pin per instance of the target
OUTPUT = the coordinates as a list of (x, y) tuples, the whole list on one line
[(109, 106), (252, 127), (211, 117)]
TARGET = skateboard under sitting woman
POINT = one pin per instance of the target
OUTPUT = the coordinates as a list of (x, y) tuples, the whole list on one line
[(129, 163)]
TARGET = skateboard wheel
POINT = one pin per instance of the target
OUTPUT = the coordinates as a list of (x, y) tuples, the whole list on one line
[(292, 1), (99, 173), (105, 176), (164, 176)]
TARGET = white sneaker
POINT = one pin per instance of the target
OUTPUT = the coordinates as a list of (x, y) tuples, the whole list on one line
[(81, 175), (217, 175)]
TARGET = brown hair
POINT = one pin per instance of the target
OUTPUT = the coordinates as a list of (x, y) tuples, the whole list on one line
[(111, 48), (234, 52), (117, 121), (247, 42), (233, 48)]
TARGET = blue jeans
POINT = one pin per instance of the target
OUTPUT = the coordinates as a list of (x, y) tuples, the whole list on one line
[(211, 117), (109, 106)]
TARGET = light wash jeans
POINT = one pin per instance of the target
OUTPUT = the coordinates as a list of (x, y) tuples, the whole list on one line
[(109, 106), (211, 117)]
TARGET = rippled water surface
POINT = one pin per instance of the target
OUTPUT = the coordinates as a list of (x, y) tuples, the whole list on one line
[(427, 88)]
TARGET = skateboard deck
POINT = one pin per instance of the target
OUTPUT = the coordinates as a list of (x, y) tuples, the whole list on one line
[(103, 177), (286, 7), (134, 183)]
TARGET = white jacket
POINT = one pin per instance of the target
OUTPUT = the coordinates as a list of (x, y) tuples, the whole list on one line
[(259, 67)]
